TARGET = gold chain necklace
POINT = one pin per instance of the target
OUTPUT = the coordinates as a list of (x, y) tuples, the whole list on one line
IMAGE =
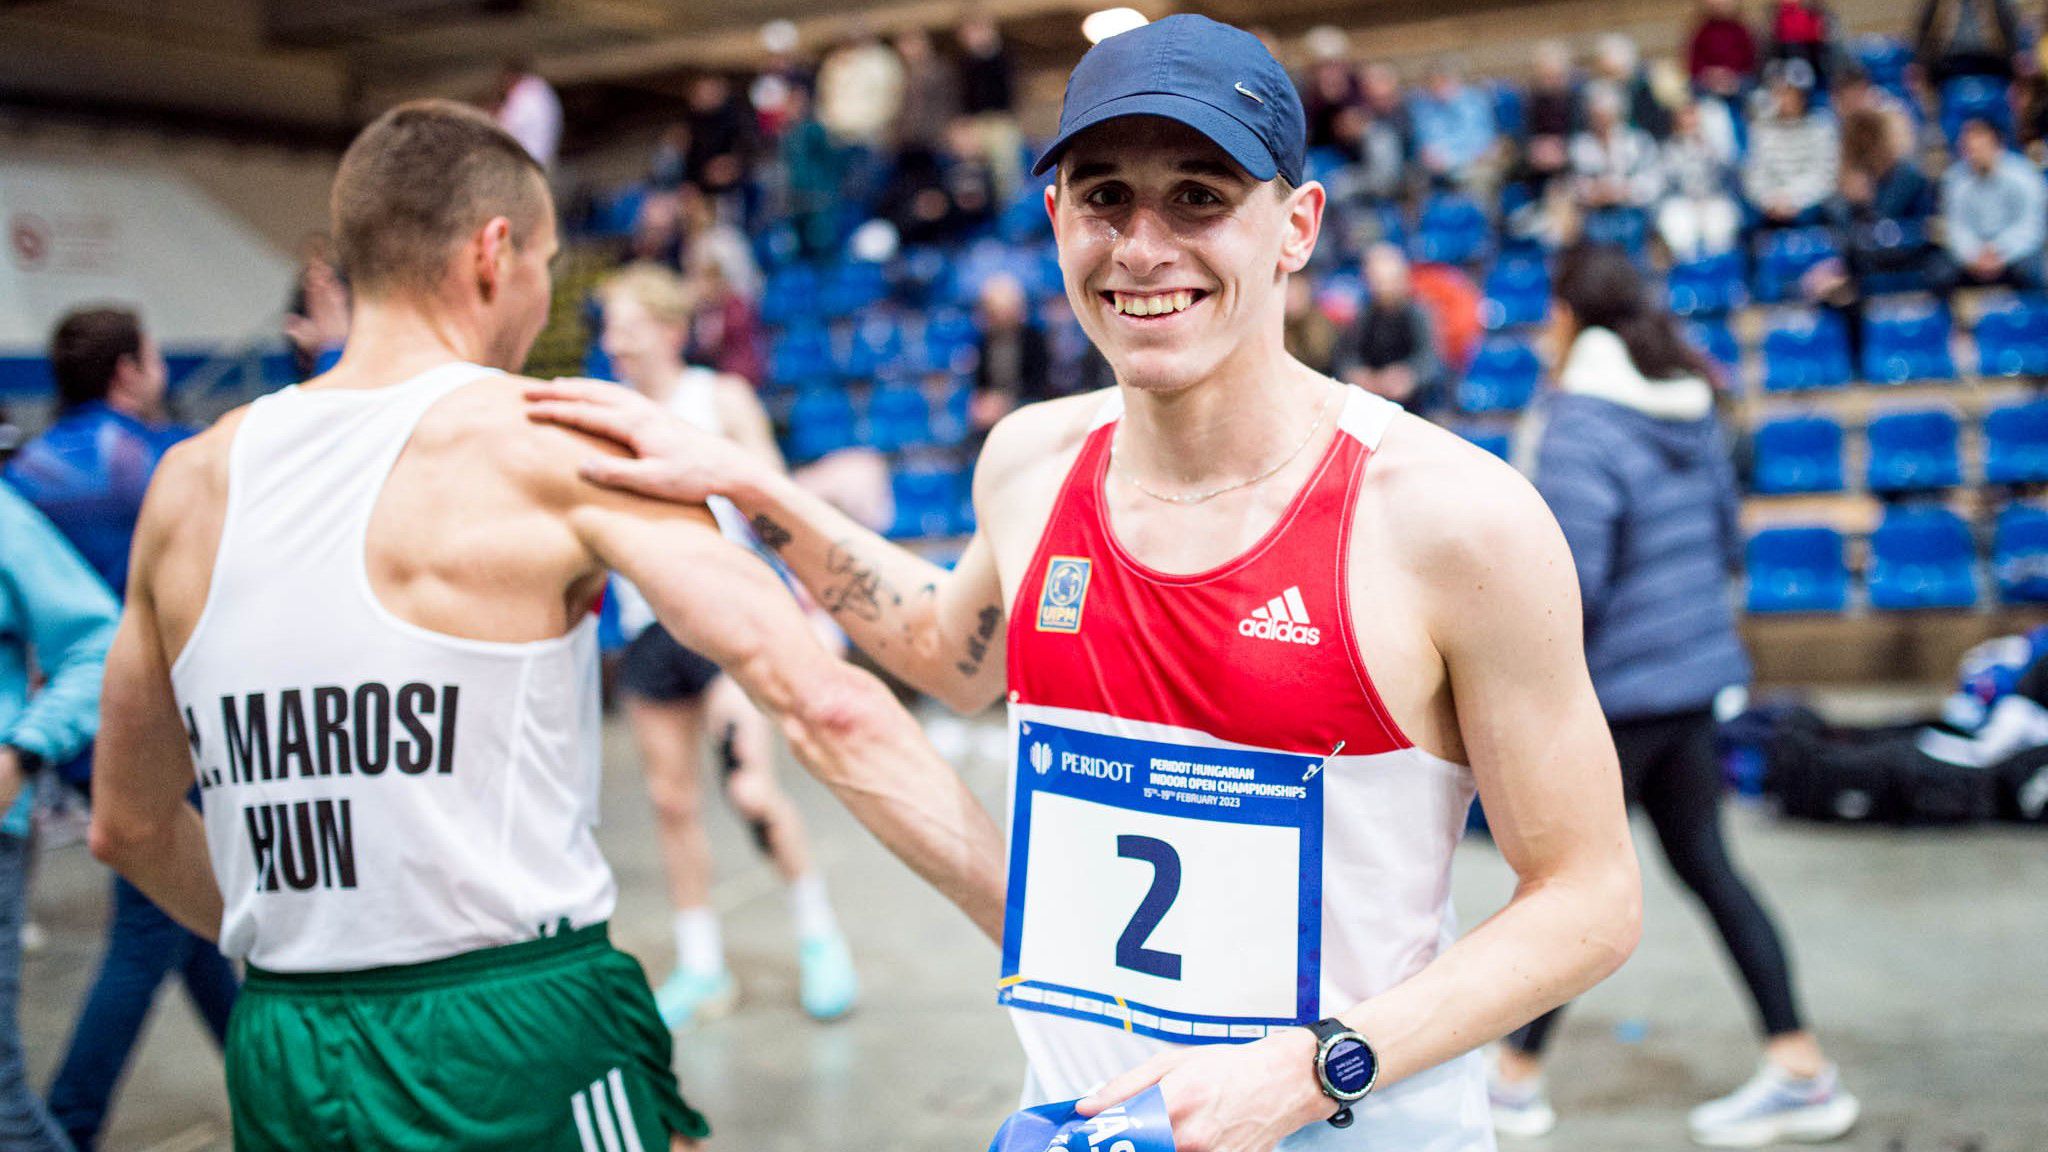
[(1204, 497)]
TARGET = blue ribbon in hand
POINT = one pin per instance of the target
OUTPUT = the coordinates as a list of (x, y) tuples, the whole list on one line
[(1136, 1125)]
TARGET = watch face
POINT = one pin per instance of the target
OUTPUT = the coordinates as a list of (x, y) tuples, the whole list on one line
[(1349, 1066)]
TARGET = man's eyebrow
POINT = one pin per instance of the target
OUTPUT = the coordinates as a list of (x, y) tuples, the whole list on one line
[(1089, 170), (1211, 168)]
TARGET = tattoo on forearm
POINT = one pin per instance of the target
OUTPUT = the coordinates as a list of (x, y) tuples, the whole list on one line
[(986, 624), (856, 588), (771, 534)]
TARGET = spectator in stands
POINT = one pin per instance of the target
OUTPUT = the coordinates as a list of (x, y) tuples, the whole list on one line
[(1549, 117), (1967, 38), (1697, 216), (669, 165), (1310, 335), (721, 140), (1614, 163), (1618, 61), (1390, 349), (1331, 91), (1854, 93), (931, 93), (781, 76), (88, 474), (1013, 364), (1791, 167), (1994, 205), (528, 109), (1633, 463), (936, 199), (726, 332), (710, 245), (1882, 203), (1721, 55), (860, 91), (1454, 127), (987, 87), (1804, 30), (316, 318), (814, 176), (55, 613)]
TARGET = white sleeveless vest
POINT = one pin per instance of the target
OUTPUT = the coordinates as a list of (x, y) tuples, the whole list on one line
[(375, 793)]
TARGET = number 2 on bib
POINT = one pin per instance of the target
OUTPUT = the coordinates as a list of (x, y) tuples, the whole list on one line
[(1130, 947)]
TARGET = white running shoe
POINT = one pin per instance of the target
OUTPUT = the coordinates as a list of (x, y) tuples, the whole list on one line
[(1776, 1106), (1522, 1110)]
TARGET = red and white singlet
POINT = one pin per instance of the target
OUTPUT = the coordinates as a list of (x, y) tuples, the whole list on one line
[(1216, 828)]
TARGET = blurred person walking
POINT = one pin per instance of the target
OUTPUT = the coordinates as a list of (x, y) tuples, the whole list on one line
[(88, 474), (54, 610), (1632, 461), (676, 698)]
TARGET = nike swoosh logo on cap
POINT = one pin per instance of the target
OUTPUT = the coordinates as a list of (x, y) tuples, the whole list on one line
[(1244, 91)]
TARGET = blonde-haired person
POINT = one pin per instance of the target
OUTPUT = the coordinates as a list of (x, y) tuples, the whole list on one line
[(677, 700)]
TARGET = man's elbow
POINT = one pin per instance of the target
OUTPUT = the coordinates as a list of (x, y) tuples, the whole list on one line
[(120, 841), (1619, 921)]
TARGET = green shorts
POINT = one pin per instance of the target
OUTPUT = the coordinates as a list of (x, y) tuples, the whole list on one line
[(552, 1044)]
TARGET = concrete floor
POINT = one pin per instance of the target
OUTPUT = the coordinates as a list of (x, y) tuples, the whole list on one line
[(1919, 956)]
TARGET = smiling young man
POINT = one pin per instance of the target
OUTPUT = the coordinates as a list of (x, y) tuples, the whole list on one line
[(1261, 636), (360, 613)]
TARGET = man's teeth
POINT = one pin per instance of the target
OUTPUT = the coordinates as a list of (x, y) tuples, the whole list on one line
[(1155, 305)]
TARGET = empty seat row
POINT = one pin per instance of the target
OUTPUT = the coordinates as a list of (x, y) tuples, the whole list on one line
[(882, 344), (1921, 557), (1909, 451), (895, 417), (1904, 340)]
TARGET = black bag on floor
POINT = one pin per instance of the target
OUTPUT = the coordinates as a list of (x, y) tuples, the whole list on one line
[(1846, 776), (2023, 786)]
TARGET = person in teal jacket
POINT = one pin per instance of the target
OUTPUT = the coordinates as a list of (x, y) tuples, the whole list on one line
[(55, 609)]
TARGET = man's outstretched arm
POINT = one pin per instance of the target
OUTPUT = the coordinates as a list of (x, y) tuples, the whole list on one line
[(843, 724), (939, 631)]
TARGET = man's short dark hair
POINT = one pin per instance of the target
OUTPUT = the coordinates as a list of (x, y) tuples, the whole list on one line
[(85, 350), (417, 182)]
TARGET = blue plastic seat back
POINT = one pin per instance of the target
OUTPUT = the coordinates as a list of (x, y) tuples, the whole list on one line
[(1799, 569), (1966, 98), (822, 421), (2016, 444), (1453, 230), (1517, 293), (1922, 558), (2019, 554), (1805, 349), (1502, 378), (1914, 451), (790, 294), (1785, 257), (1710, 286), (1717, 340), (1907, 340), (1799, 454), (927, 502), (2012, 338)]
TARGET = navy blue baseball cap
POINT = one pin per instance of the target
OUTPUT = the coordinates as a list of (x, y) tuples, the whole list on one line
[(1216, 79)]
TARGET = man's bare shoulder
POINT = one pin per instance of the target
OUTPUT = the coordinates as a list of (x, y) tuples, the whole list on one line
[(1034, 440), (193, 475), (1457, 511), (484, 424)]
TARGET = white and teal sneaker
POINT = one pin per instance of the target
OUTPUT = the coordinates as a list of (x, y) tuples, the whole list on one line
[(829, 986), (687, 999), (1520, 1110), (1776, 1106)]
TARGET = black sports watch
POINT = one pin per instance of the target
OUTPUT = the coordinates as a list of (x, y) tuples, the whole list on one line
[(1346, 1067)]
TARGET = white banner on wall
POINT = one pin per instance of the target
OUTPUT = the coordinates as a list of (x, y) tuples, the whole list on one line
[(77, 233)]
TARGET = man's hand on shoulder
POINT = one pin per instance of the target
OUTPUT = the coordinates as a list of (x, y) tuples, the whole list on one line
[(664, 458)]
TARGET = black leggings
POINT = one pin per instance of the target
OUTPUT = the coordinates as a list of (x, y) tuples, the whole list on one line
[(1669, 767)]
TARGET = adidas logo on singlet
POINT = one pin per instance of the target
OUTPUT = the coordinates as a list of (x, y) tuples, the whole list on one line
[(1283, 618)]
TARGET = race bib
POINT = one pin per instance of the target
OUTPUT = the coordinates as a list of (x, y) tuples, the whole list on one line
[(1167, 889)]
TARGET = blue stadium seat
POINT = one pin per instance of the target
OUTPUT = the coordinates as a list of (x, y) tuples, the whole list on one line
[(1967, 98), (1884, 60), (822, 421), (1913, 452), (1799, 454), (927, 503), (1805, 349), (1517, 293), (1453, 230), (1895, 241), (1922, 558), (852, 287), (2016, 444), (2019, 554), (1710, 286), (1502, 378), (1785, 256), (2012, 338), (790, 294), (1715, 339), (1625, 228), (1906, 340), (800, 356), (1796, 570), (875, 347), (1510, 109), (950, 337), (1493, 440), (616, 213), (899, 417)]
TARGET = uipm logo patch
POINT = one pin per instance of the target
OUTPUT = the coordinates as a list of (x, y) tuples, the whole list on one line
[(1064, 595)]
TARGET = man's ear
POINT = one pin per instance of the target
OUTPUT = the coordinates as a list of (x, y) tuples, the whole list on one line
[(491, 252), (1304, 225)]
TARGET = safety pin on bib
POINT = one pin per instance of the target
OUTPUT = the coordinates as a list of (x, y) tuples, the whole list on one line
[(1319, 765)]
